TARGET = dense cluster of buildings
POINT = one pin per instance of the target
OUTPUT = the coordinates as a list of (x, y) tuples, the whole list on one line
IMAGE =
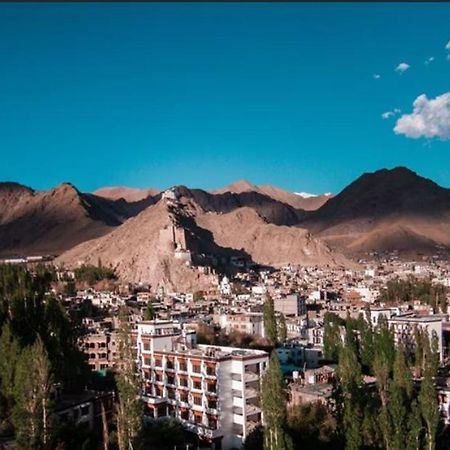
[(214, 390)]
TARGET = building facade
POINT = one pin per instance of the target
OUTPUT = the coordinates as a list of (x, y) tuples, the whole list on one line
[(212, 390)]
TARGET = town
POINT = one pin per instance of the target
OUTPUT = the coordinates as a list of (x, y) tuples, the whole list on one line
[(200, 357)]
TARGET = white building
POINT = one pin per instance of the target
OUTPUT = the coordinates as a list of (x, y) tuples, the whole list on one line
[(249, 323), (212, 390), (225, 286), (404, 326)]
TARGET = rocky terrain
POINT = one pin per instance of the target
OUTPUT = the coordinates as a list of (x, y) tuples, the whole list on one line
[(177, 236), (51, 222), (297, 201), (384, 211)]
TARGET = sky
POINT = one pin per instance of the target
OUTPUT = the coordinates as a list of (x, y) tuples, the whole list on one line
[(303, 96)]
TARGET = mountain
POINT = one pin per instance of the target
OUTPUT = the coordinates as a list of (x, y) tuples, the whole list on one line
[(297, 201), (53, 221), (266, 243), (272, 210), (192, 226), (383, 211), (128, 194), (154, 247)]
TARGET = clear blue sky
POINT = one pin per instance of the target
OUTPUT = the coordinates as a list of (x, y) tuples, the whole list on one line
[(204, 94)]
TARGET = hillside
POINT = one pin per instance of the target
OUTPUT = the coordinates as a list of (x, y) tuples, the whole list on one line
[(53, 221), (290, 198), (383, 211)]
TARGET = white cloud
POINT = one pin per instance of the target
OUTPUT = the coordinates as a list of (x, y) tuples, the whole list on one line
[(429, 60), (430, 118), (388, 114), (402, 67), (376, 76), (448, 46)]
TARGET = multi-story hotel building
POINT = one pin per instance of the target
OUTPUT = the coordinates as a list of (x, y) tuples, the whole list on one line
[(404, 326), (212, 390)]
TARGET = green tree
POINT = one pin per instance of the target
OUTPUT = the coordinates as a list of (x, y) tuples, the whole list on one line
[(401, 391), (282, 329), (33, 382), (149, 313), (427, 396), (270, 322), (273, 397), (332, 336), (10, 353), (129, 408), (350, 378)]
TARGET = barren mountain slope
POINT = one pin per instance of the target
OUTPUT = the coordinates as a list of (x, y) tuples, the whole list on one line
[(384, 211), (52, 221), (143, 249), (268, 243), (129, 194), (289, 198), (270, 209)]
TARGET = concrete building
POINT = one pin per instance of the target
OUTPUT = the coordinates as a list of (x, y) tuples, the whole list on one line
[(248, 323), (102, 350), (291, 305), (404, 326), (212, 390)]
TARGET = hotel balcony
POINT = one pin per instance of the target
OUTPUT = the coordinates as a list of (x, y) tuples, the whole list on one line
[(153, 399), (251, 392), (250, 376), (252, 409)]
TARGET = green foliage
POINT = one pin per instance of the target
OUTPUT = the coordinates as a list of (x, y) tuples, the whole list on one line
[(36, 334), (93, 274), (350, 378), (164, 434), (149, 313), (427, 397), (198, 296), (129, 414), (31, 412), (273, 400), (332, 336), (270, 322), (311, 425), (411, 289), (282, 329)]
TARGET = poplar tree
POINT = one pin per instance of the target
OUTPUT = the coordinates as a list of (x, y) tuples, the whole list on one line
[(350, 378), (270, 322), (427, 397), (129, 408), (273, 398), (10, 353), (33, 382), (282, 329), (400, 400)]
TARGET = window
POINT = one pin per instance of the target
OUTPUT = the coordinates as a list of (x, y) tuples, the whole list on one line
[(197, 384), (183, 366), (196, 368), (183, 382), (212, 404), (197, 401)]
